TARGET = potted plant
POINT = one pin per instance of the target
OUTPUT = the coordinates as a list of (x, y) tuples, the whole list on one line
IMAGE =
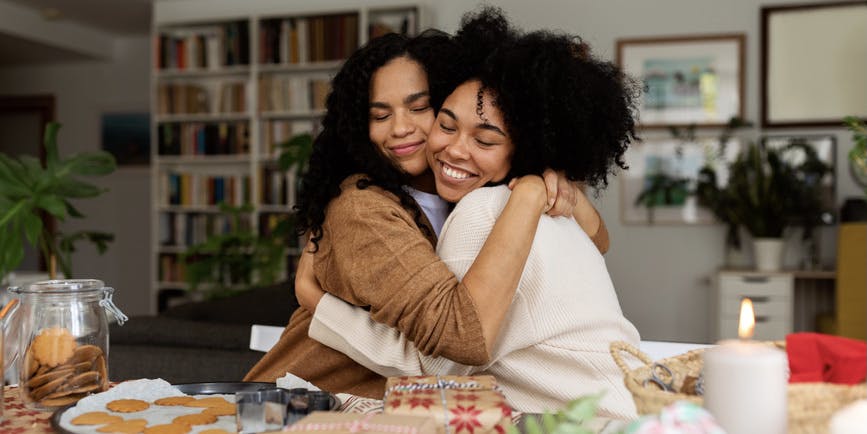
[(240, 258), (858, 153), (29, 190), (767, 191)]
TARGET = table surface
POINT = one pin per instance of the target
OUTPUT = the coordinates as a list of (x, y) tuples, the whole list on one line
[(18, 419)]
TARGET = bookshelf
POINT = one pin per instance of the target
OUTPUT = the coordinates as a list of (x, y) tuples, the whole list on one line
[(228, 86)]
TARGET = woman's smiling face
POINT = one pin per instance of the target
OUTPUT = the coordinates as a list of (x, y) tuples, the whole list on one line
[(400, 113), (467, 150)]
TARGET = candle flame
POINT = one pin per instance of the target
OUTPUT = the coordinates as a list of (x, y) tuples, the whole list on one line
[(747, 322)]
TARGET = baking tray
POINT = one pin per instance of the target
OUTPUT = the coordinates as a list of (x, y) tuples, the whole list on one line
[(220, 387)]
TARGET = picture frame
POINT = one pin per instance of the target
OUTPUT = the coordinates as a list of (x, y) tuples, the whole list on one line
[(661, 174), (807, 52), (126, 135), (686, 80), (825, 146)]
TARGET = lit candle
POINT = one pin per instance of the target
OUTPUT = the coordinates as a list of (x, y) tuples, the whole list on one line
[(745, 382)]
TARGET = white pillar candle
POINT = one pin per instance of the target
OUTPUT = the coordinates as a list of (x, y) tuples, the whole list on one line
[(745, 384)]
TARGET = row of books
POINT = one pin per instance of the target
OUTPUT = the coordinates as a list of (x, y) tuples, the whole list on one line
[(187, 229), (398, 21), (286, 92), (308, 39), (214, 97), (205, 47), (171, 268), (197, 189), (278, 187), (204, 138), (277, 131)]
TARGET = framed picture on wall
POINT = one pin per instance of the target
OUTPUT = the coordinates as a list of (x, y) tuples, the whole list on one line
[(686, 80), (657, 188), (814, 63), (126, 135)]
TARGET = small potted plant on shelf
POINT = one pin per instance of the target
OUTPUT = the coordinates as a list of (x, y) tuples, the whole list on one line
[(29, 191), (858, 153), (767, 191), (238, 257)]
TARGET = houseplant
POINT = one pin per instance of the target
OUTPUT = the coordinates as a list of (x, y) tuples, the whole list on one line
[(239, 258), (767, 191), (858, 153), (28, 190)]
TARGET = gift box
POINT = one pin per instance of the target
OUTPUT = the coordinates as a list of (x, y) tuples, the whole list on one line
[(459, 404), (323, 422)]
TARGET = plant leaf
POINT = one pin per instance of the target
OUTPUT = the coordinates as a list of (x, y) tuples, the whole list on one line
[(52, 157), (93, 163), (76, 189), (52, 205), (32, 228)]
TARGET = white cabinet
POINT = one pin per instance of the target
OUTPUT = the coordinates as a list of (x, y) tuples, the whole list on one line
[(773, 300)]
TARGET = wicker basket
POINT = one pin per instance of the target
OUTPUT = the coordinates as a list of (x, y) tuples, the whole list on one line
[(810, 404)]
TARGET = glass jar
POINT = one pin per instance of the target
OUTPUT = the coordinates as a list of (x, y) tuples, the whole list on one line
[(62, 340)]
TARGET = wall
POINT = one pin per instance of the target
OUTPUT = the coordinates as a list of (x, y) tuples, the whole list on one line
[(83, 90), (661, 272)]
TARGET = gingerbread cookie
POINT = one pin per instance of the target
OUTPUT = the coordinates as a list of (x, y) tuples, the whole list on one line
[(53, 346), (174, 400), (169, 428), (195, 419), (213, 401), (221, 410), (127, 405), (95, 418), (131, 426)]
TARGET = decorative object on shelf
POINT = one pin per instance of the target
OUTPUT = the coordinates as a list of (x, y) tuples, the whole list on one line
[(858, 153), (238, 258), (813, 67), (658, 187), (767, 191), (687, 79), (28, 190)]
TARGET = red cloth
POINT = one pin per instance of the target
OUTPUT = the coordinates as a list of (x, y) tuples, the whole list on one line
[(814, 357)]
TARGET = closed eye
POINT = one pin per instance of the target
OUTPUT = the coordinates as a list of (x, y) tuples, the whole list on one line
[(421, 109), (446, 129)]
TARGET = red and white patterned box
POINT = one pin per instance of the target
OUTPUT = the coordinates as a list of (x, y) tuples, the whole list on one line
[(460, 404)]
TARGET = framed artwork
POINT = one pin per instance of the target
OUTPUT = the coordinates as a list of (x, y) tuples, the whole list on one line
[(662, 174), (825, 146), (126, 135), (814, 63), (689, 80)]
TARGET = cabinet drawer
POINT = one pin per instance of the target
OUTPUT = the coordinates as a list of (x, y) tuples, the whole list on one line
[(765, 331), (734, 285), (762, 305)]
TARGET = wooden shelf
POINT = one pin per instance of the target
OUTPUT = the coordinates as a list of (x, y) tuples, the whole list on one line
[(328, 66), (202, 159), (299, 114), (240, 71), (202, 117)]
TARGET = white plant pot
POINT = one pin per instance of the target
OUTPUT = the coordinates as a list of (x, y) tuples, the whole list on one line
[(768, 253)]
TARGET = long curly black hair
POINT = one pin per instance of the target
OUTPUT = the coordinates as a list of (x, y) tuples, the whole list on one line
[(343, 147), (563, 108)]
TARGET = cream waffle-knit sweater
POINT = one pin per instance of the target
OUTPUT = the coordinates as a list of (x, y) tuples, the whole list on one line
[(554, 343)]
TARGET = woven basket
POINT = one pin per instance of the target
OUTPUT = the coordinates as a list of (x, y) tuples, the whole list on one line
[(810, 405)]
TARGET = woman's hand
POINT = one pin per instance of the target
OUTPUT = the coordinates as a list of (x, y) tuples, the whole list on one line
[(563, 195), (533, 188), (307, 288)]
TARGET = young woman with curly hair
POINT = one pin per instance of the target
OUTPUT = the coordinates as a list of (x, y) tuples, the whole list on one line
[(372, 245), (540, 102)]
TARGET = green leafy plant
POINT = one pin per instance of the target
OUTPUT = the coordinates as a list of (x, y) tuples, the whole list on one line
[(29, 190), (238, 258), (858, 153), (766, 191), (574, 419)]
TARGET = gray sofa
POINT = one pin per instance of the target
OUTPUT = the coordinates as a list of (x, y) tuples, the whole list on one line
[(198, 342)]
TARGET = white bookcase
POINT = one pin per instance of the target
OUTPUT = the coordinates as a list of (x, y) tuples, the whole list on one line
[(230, 80)]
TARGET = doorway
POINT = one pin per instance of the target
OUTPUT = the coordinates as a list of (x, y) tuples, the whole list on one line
[(22, 122)]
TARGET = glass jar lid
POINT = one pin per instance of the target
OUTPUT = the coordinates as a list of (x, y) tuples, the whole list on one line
[(62, 286)]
